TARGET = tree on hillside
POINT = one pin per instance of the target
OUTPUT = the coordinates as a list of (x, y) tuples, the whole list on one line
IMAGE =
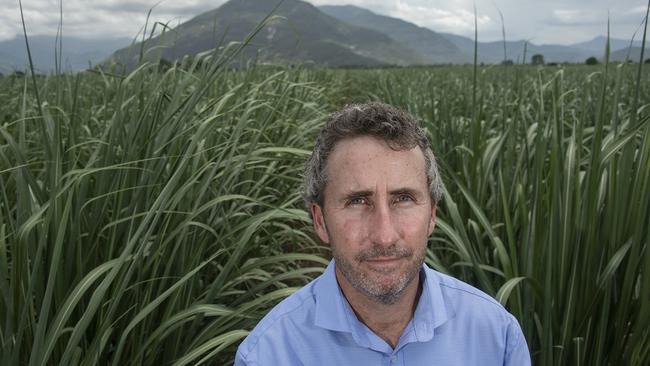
[(537, 59), (591, 61), (647, 61)]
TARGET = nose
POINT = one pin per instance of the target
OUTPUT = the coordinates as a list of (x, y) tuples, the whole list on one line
[(382, 228)]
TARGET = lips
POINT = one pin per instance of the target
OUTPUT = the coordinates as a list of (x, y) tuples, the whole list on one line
[(384, 259), (384, 263), (383, 254)]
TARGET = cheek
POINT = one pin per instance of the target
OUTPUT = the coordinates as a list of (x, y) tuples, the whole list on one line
[(352, 230), (348, 231), (414, 224)]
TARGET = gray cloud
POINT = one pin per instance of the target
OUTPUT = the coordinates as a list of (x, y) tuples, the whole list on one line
[(178, 8), (453, 16), (577, 17), (551, 21)]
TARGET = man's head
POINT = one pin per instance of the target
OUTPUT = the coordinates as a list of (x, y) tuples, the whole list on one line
[(397, 128), (372, 187)]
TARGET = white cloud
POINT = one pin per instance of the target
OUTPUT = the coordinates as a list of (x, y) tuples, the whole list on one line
[(640, 10), (452, 16), (6, 32), (456, 20), (597, 18), (576, 17), (94, 18)]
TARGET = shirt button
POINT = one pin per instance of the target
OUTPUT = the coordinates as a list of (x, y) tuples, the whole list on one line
[(393, 359)]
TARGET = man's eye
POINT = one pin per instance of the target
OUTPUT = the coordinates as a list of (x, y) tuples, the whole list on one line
[(404, 198), (357, 201)]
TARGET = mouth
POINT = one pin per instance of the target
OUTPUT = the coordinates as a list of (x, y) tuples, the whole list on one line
[(383, 261)]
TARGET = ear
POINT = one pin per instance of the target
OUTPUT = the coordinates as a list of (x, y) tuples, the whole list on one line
[(432, 221), (319, 222)]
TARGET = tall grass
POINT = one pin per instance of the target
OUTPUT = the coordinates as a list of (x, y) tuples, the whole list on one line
[(153, 218), (550, 212), (138, 210)]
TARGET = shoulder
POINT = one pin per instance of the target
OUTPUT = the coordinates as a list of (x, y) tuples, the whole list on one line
[(459, 293), (469, 306), (291, 313), (473, 309)]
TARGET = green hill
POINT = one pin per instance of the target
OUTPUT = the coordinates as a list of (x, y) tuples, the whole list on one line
[(435, 47), (301, 34)]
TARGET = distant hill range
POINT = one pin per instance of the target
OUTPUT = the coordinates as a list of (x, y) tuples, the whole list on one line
[(78, 54), (451, 48), (302, 33)]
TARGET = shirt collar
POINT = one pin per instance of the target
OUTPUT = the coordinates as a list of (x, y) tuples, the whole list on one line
[(334, 313), (330, 302), (431, 311)]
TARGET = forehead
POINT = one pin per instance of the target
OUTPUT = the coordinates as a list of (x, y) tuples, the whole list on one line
[(366, 163)]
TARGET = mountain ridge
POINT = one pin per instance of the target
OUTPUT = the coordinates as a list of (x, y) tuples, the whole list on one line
[(299, 33), (488, 52), (430, 44), (330, 35)]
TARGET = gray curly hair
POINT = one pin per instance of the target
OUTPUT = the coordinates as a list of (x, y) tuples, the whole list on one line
[(397, 128)]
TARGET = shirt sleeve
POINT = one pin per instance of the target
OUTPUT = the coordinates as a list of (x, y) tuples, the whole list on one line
[(517, 353)]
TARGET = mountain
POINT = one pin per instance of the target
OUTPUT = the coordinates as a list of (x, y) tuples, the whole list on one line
[(492, 52), (435, 47), (302, 33), (625, 54), (597, 45), (452, 48), (77, 53), (517, 51), (329, 35), (446, 47), (521, 51)]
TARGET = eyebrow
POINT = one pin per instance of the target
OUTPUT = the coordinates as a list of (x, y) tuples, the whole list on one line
[(410, 191), (394, 192), (357, 194)]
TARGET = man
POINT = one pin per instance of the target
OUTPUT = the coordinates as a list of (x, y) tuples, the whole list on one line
[(372, 187)]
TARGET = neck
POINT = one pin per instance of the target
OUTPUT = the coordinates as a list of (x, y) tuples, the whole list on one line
[(386, 320)]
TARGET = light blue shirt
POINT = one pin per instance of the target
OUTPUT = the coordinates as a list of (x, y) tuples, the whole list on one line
[(453, 324)]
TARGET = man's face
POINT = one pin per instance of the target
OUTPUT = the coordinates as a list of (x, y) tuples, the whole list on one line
[(377, 216)]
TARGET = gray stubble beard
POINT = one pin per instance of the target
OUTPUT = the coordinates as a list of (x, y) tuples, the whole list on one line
[(365, 285)]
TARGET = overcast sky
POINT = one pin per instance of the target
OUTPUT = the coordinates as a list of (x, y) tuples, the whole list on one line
[(540, 21)]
